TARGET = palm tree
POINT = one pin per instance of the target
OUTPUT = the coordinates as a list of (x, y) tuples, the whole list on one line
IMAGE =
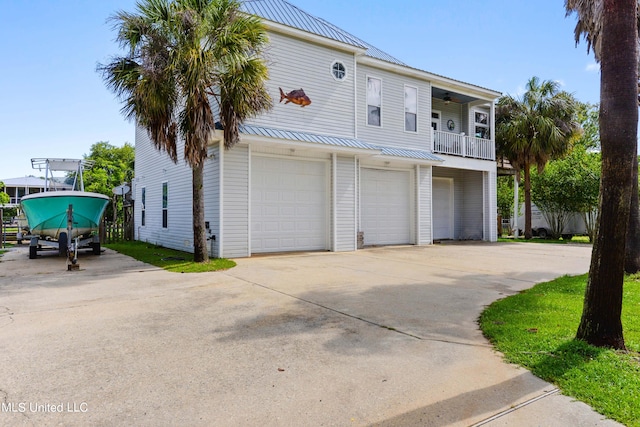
[(611, 27), (534, 129), (187, 59), (589, 26)]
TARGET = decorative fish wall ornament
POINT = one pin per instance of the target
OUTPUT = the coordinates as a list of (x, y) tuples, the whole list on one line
[(297, 96)]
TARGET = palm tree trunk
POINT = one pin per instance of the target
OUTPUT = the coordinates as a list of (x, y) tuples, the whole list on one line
[(600, 324), (527, 201), (632, 258), (200, 253)]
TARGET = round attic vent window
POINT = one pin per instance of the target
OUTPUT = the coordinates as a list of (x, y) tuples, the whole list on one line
[(338, 70)]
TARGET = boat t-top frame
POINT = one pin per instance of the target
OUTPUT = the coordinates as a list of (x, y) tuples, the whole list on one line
[(62, 165)]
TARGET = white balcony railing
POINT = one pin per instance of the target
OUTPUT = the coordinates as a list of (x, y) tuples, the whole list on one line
[(461, 145)]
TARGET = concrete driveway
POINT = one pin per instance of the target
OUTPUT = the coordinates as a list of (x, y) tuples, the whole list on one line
[(384, 337)]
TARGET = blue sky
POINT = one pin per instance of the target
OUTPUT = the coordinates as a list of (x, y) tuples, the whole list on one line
[(54, 104)]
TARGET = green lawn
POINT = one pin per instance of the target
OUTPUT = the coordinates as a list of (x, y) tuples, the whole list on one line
[(536, 329), (169, 259), (575, 239)]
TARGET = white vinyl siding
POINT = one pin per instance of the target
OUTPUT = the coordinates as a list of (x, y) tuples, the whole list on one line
[(424, 209), (212, 199), (451, 111), (235, 203), (345, 204), (386, 206), (392, 132), (490, 199), (289, 207), (152, 168), (295, 64)]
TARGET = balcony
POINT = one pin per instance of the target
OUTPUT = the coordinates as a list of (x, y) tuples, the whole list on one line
[(457, 144)]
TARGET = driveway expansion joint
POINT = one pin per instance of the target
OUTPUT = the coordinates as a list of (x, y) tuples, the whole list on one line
[(516, 407)]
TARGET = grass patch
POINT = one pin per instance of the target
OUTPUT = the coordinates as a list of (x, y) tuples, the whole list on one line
[(536, 329), (574, 239), (169, 259)]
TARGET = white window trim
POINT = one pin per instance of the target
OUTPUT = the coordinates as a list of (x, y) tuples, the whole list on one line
[(162, 208), (143, 208), (405, 110), (366, 113), (346, 74), (479, 124), (438, 120)]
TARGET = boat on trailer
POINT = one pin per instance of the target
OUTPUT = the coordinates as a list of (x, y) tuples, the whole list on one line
[(64, 219)]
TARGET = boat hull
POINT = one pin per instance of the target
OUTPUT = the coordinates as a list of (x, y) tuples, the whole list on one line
[(47, 212)]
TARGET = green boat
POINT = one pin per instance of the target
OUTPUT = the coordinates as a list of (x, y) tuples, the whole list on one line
[(47, 212), (56, 216)]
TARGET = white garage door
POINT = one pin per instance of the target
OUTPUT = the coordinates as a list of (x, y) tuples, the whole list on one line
[(385, 206), (288, 205), (442, 208)]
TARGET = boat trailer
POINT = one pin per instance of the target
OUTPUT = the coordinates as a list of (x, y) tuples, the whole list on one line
[(66, 247)]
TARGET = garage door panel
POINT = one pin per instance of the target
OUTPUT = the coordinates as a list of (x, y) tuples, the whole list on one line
[(386, 204), (442, 208), (289, 199)]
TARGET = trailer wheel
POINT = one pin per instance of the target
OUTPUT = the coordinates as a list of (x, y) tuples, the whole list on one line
[(567, 236), (63, 242), (96, 248), (542, 233), (33, 252)]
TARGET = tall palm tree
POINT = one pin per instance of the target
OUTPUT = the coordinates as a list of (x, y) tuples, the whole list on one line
[(589, 26), (611, 27), (534, 129), (187, 59)]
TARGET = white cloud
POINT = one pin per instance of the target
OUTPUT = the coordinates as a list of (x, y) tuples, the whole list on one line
[(593, 67)]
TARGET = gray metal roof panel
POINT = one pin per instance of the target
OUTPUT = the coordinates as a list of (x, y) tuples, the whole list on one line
[(337, 142), (285, 13), (372, 51), (304, 136), (412, 154)]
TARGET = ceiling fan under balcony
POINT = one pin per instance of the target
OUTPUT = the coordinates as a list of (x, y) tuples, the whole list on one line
[(447, 98)]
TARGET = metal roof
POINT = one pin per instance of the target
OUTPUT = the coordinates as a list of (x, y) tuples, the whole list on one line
[(285, 13), (337, 142), (411, 154), (372, 51), (303, 136)]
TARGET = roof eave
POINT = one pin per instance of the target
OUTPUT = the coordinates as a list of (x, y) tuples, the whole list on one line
[(310, 37), (436, 79)]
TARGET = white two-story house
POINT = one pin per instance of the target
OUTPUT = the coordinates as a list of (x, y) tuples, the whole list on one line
[(385, 154)]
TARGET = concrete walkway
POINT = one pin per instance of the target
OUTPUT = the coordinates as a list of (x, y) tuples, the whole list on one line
[(384, 337)]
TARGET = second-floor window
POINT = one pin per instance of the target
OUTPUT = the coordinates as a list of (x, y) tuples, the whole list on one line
[(410, 109), (482, 125), (374, 101)]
